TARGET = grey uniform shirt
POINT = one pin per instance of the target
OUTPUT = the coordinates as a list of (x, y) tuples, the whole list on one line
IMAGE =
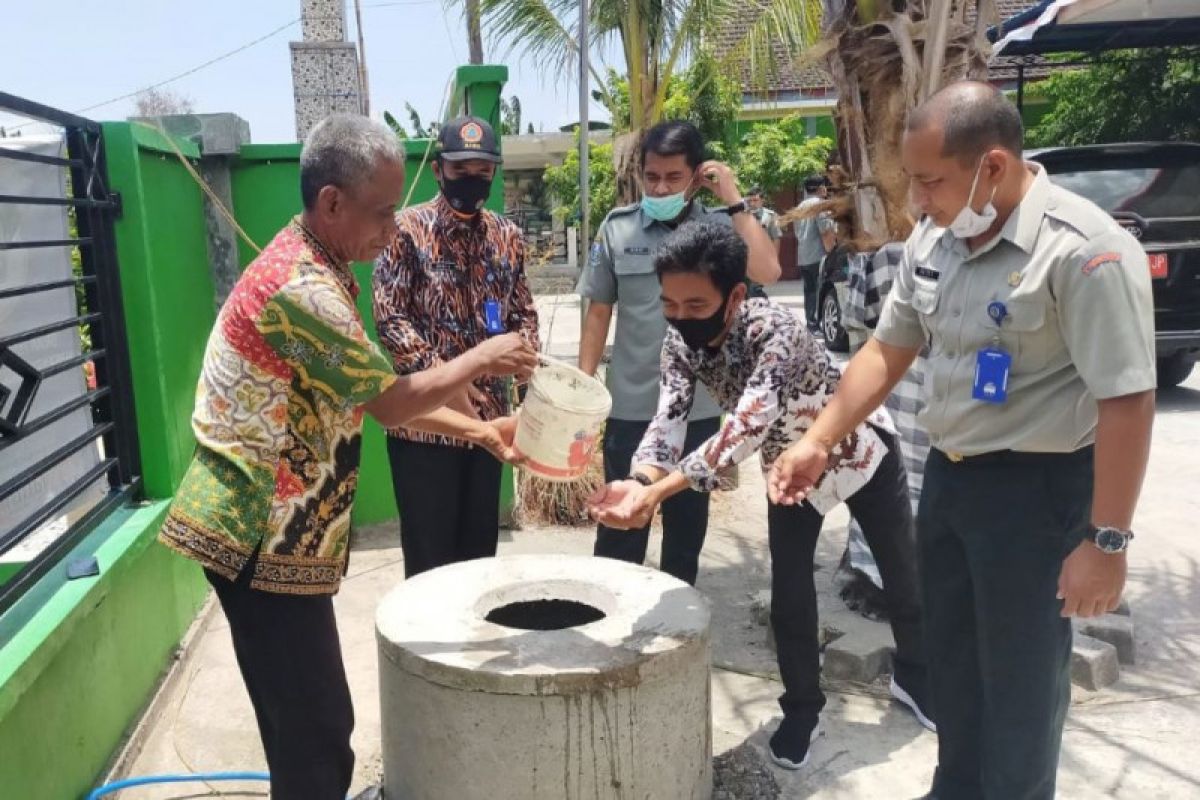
[(770, 222), (1080, 324), (620, 271), (809, 247)]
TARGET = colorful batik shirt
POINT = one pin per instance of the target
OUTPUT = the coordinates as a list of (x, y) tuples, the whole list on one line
[(278, 423), (772, 378), (430, 288)]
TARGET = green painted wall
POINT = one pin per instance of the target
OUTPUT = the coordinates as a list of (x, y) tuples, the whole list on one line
[(168, 293), (80, 659), (823, 125)]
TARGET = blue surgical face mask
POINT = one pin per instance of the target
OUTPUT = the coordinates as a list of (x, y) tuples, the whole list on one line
[(664, 209)]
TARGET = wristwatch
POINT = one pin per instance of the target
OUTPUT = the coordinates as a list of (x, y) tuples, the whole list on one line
[(737, 208), (1108, 539), (641, 478)]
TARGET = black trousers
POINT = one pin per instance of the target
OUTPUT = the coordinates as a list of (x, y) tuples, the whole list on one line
[(288, 650), (685, 516), (883, 509), (808, 274), (449, 501), (992, 537)]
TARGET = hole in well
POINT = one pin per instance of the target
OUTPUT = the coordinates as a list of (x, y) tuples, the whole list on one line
[(544, 615)]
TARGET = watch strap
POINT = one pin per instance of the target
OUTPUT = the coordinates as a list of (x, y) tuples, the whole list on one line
[(641, 478)]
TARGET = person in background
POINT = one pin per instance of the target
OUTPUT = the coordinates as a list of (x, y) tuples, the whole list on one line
[(620, 272), (772, 378), (451, 279), (870, 279), (815, 236), (265, 505), (765, 216), (1037, 310), (770, 223)]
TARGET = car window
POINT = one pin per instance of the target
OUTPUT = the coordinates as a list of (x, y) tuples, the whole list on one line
[(1151, 190)]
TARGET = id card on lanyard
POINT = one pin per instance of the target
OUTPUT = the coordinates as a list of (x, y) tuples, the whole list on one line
[(993, 363)]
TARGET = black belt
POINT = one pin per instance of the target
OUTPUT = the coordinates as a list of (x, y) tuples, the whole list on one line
[(1014, 456)]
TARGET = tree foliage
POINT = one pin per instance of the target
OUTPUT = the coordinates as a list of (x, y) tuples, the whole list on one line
[(703, 94), (161, 103), (778, 156), (510, 116), (655, 39), (1145, 95), (563, 181)]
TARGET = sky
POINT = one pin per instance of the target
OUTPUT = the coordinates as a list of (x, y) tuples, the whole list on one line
[(72, 54)]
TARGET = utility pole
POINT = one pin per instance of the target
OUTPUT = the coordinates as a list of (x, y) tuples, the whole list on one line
[(362, 60), (585, 241)]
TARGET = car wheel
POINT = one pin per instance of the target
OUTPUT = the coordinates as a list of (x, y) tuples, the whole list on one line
[(836, 338), (1174, 370)]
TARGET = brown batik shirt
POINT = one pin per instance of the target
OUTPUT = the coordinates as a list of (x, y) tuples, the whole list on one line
[(430, 287)]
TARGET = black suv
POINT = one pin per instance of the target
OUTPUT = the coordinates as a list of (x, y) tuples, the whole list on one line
[(1153, 191)]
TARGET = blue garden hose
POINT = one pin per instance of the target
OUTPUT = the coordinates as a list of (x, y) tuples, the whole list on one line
[(117, 786), (146, 780)]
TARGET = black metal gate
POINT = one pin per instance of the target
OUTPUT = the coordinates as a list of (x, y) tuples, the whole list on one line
[(93, 207)]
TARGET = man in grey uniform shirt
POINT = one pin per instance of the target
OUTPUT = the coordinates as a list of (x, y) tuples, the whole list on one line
[(620, 272), (1039, 392), (815, 236)]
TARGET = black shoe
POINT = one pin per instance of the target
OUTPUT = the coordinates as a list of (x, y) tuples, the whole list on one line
[(860, 594), (790, 743), (909, 687)]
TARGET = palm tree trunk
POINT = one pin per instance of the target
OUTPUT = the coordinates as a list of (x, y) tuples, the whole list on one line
[(883, 63), (474, 34)]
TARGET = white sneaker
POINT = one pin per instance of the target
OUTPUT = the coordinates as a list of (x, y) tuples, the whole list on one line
[(907, 699)]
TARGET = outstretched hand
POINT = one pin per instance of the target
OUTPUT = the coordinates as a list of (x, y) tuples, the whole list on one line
[(624, 505), (796, 472)]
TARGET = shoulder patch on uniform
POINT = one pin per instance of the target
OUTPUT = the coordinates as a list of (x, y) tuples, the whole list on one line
[(1095, 262)]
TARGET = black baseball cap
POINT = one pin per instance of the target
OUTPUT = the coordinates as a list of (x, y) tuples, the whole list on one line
[(465, 138)]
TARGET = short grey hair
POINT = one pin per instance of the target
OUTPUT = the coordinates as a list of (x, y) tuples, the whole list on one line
[(342, 150)]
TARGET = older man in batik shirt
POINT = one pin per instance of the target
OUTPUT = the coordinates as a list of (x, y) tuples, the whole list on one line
[(265, 506)]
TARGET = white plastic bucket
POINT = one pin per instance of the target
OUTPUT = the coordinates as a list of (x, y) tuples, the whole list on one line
[(560, 421)]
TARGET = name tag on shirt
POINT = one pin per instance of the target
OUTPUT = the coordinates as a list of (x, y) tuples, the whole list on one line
[(991, 375), (926, 272), (637, 251)]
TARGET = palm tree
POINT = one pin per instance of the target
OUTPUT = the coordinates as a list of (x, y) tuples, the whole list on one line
[(884, 59), (474, 34), (656, 38)]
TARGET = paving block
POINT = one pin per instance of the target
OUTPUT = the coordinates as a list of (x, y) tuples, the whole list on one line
[(1094, 663), (861, 655), (1115, 629)]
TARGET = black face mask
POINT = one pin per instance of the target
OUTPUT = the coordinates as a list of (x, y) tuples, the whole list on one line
[(467, 194), (697, 333)]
